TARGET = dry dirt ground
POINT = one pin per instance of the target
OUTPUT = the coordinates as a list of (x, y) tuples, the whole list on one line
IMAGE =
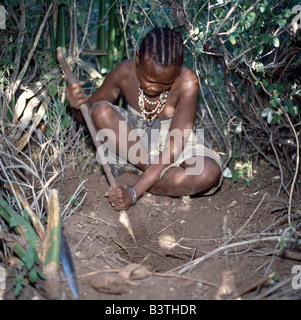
[(171, 237)]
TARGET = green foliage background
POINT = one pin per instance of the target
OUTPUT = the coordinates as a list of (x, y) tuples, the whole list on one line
[(246, 54)]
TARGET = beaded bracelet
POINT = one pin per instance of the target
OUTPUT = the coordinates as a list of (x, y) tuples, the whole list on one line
[(133, 195)]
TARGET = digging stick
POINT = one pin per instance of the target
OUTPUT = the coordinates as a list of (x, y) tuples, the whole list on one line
[(84, 108)]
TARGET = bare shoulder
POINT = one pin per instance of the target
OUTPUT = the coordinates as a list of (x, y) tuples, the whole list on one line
[(188, 81), (127, 64), (188, 75), (125, 68), (121, 73)]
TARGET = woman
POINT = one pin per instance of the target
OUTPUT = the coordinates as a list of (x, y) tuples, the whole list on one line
[(162, 96)]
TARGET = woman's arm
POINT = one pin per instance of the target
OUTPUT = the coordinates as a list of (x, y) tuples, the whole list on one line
[(108, 91)]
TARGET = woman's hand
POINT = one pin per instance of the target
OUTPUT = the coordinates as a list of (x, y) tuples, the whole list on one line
[(120, 198), (75, 95)]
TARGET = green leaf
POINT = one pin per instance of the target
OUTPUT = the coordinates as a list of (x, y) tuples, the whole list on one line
[(259, 49), (286, 13), (133, 17), (288, 102), (232, 40), (76, 201), (293, 111), (40, 274), (18, 289), (235, 177), (247, 24), (281, 23), (248, 182), (262, 7), (276, 276), (266, 38), (273, 103), (19, 284), (276, 42), (265, 83), (13, 222), (236, 52), (276, 118), (251, 16), (33, 275), (29, 258), (65, 122), (207, 76)]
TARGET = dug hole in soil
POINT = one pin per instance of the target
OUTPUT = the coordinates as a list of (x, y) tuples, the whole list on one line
[(169, 237)]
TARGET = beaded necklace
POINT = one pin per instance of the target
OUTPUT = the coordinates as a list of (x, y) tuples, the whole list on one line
[(148, 113)]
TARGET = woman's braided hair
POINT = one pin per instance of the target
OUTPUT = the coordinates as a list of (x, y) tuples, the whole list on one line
[(164, 46)]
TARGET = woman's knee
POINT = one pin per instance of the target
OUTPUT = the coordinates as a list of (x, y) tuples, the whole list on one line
[(101, 112), (210, 175)]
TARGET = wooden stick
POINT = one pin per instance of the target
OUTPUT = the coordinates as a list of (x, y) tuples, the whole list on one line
[(155, 274), (254, 285), (84, 108), (296, 171), (52, 258)]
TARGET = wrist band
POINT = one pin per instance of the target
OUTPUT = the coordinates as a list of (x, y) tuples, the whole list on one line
[(133, 195)]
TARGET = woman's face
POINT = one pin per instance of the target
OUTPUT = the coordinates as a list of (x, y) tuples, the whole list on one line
[(155, 79)]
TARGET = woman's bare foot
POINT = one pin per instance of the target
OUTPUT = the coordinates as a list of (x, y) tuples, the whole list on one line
[(149, 199), (164, 201)]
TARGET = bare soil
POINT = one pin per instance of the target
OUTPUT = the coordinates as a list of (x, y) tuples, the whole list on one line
[(169, 237)]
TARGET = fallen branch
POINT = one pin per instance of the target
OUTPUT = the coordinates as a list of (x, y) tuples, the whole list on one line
[(296, 171), (190, 265), (254, 285), (290, 255), (138, 272), (23, 141)]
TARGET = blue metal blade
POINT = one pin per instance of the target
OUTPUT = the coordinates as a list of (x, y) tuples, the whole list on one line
[(68, 266)]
